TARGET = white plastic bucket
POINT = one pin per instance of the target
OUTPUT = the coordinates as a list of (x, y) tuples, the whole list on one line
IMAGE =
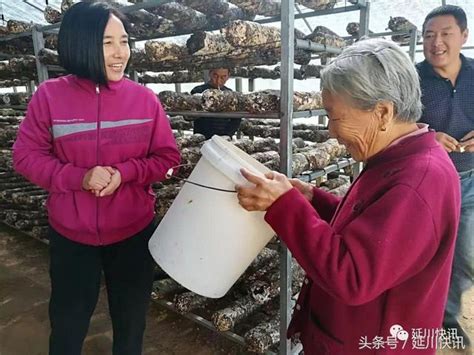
[(206, 240)]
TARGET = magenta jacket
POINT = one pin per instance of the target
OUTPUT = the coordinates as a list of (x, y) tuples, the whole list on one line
[(379, 257), (71, 126)]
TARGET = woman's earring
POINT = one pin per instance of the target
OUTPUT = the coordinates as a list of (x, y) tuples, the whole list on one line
[(383, 129)]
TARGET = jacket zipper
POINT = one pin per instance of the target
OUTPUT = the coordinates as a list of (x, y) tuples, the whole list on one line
[(97, 90)]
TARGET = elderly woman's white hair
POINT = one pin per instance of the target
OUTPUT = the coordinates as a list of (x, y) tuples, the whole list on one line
[(375, 70)]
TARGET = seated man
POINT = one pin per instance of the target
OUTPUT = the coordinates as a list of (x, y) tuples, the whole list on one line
[(221, 126)]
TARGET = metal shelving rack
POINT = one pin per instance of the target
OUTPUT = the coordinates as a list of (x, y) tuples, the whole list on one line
[(411, 44), (286, 115), (270, 115)]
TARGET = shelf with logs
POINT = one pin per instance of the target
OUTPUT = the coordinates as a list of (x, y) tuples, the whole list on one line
[(241, 42), (165, 62), (216, 103)]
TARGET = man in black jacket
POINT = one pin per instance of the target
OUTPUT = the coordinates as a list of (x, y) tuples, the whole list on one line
[(221, 126)]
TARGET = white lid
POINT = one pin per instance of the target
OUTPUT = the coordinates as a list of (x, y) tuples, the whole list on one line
[(227, 158)]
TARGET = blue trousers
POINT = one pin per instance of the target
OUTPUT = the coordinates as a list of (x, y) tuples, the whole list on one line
[(76, 271), (462, 276)]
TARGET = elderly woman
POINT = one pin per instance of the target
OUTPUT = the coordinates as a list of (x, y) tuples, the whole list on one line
[(377, 261)]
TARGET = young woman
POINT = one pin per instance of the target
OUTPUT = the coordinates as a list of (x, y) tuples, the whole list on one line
[(96, 141)]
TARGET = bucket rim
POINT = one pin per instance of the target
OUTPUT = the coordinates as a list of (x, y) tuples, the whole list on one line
[(222, 154)]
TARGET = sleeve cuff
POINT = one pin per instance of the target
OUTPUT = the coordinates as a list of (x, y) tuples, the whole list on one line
[(281, 207), (76, 178), (127, 171), (322, 199)]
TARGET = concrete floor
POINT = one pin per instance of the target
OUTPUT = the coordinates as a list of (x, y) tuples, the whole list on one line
[(24, 324)]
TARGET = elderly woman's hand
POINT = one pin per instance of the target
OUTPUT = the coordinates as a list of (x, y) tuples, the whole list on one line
[(266, 191), (303, 187)]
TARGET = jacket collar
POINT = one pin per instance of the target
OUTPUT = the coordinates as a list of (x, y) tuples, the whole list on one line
[(428, 69), (411, 144), (89, 85)]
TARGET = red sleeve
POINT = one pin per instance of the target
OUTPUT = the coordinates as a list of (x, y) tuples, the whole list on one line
[(162, 156), (391, 240), (325, 203), (33, 151)]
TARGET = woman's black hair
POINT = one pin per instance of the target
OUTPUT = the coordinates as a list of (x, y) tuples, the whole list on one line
[(80, 40)]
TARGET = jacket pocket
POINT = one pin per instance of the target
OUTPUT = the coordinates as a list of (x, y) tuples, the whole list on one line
[(317, 342), (149, 193)]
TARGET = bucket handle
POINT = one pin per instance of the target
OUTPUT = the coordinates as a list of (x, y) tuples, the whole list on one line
[(169, 175)]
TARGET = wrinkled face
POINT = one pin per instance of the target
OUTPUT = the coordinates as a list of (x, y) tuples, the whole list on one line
[(116, 49), (356, 129), (218, 77), (442, 41)]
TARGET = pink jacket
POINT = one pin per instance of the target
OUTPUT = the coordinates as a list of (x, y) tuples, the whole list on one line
[(378, 258), (71, 126)]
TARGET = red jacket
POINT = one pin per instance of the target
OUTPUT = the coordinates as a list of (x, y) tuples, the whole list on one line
[(380, 257), (72, 126)]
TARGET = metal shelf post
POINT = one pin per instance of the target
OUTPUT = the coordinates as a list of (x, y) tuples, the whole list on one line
[(133, 73), (251, 85), (364, 17), (238, 84), (38, 44), (286, 135), (413, 37)]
